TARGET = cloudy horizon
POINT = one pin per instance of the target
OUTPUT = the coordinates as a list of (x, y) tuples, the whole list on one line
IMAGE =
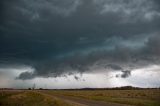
[(79, 43)]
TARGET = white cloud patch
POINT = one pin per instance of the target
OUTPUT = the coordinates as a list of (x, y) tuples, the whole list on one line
[(143, 77), (8, 77)]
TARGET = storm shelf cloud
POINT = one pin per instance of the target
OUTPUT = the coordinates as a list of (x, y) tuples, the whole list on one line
[(63, 38)]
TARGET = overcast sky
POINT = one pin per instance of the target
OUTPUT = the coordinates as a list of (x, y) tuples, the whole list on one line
[(79, 43)]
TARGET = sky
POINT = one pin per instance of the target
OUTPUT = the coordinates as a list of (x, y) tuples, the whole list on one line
[(62, 44)]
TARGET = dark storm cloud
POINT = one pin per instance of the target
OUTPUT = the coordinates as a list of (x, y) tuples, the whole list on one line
[(25, 76), (76, 77), (125, 74), (60, 36)]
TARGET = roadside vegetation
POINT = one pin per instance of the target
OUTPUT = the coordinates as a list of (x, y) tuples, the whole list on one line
[(29, 98)]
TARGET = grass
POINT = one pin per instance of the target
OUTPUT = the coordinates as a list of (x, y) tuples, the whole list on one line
[(48, 97), (29, 98), (131, 97), (129, 101)]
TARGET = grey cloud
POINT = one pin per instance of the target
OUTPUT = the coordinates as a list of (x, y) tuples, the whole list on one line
[(25, 76), (153, 44), (76, 77), (131, 11), (57, 37), (114, 67), (125, 74), (35, 9), (120, 58)]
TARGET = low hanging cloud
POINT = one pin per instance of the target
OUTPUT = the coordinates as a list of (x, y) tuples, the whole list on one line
[(25, 76), (77, 36), (125, 74)]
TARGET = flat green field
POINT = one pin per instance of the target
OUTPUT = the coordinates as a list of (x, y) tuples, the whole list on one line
[(149, 97)]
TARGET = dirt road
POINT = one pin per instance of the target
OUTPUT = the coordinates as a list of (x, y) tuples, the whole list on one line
[(84, 102), (87, 102)]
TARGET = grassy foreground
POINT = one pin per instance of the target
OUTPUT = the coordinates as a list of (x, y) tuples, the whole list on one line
[(29, 98), (145, 97), (130, 97)]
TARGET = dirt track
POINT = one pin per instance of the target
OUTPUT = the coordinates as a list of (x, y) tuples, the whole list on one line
[(83, 102), (88, 102)]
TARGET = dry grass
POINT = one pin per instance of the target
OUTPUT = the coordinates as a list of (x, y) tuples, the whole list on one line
[(131, 97), (40, 98), (29, 98)]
